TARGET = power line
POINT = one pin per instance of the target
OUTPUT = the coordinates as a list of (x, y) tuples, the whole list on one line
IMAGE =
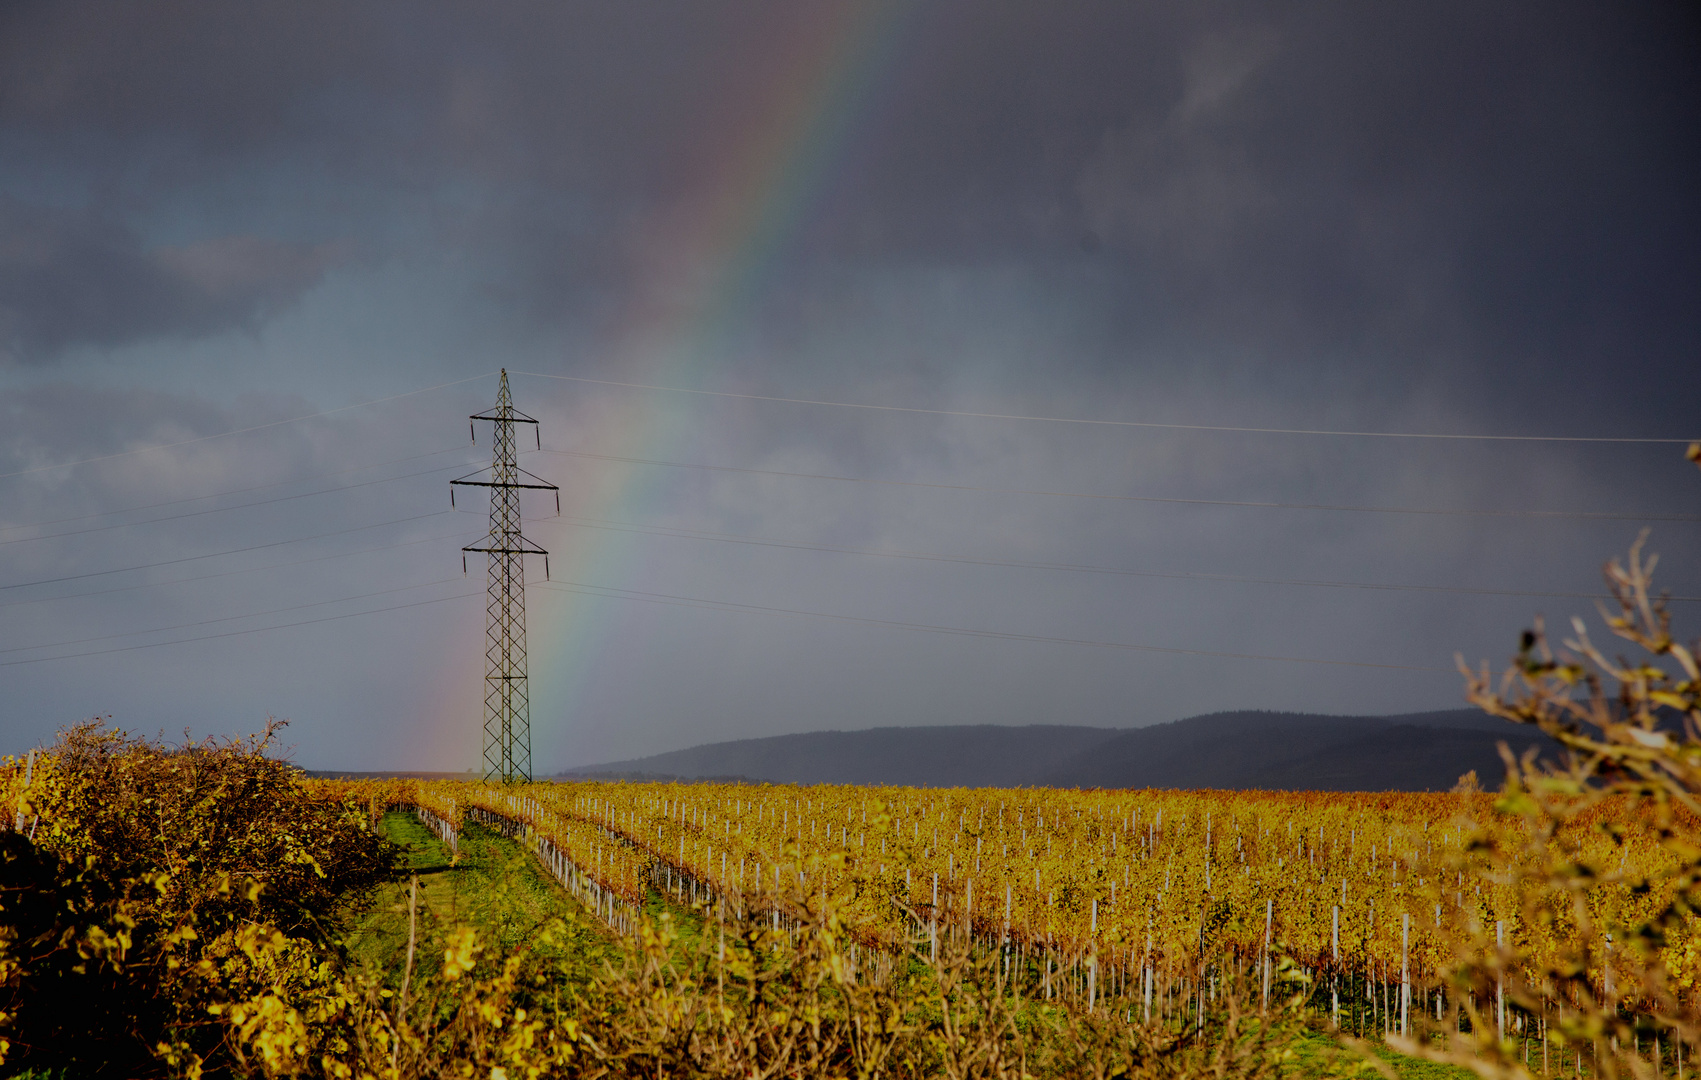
[(227, 573), (221, 494), (1428, 511), (242, 431), (608, 525), (234, 633), (240, 506), (216, 554), (1108, 423), (728, 605), (224, 618)]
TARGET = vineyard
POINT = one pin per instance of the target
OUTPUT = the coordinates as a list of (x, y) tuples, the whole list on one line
[(1091, 895)]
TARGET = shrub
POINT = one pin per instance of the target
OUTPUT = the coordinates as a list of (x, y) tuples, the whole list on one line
[(153, 877), (1619, 990)]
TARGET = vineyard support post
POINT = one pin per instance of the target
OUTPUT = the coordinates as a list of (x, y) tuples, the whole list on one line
[(1335, 975), (1405, 969), (1269, 913), (1146, 966), (1500, 979), (407, 968), (1006, 942), (933, 920), (1093, 957)]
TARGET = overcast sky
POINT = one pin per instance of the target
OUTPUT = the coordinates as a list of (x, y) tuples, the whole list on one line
[(259, 262)]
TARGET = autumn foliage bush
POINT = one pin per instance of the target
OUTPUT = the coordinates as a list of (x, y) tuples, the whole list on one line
[(1619, 987), (152, 882)]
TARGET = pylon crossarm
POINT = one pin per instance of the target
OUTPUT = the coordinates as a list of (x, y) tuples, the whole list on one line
[(533, 550), (500, 484), (514, 416), (467, 481)]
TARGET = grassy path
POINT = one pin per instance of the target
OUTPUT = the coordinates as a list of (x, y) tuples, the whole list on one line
[(496, 886)]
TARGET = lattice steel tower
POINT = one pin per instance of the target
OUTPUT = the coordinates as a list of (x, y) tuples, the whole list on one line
[(507, 749)]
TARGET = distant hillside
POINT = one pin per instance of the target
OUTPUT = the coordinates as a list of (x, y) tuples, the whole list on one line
[(1245, 750), (1300, 751), (974, 756)]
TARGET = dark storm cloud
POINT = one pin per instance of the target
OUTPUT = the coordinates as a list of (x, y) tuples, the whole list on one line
[(1460, 189), (69, 279), (1470, 197), (533, 139), (1448, 190)]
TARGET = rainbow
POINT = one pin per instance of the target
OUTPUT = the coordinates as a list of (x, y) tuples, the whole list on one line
[(767, 171)]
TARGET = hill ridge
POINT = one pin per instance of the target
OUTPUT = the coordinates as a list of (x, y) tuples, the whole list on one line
[(1230, 749)]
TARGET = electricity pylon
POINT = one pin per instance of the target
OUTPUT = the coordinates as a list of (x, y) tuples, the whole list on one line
[(507, 744)]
